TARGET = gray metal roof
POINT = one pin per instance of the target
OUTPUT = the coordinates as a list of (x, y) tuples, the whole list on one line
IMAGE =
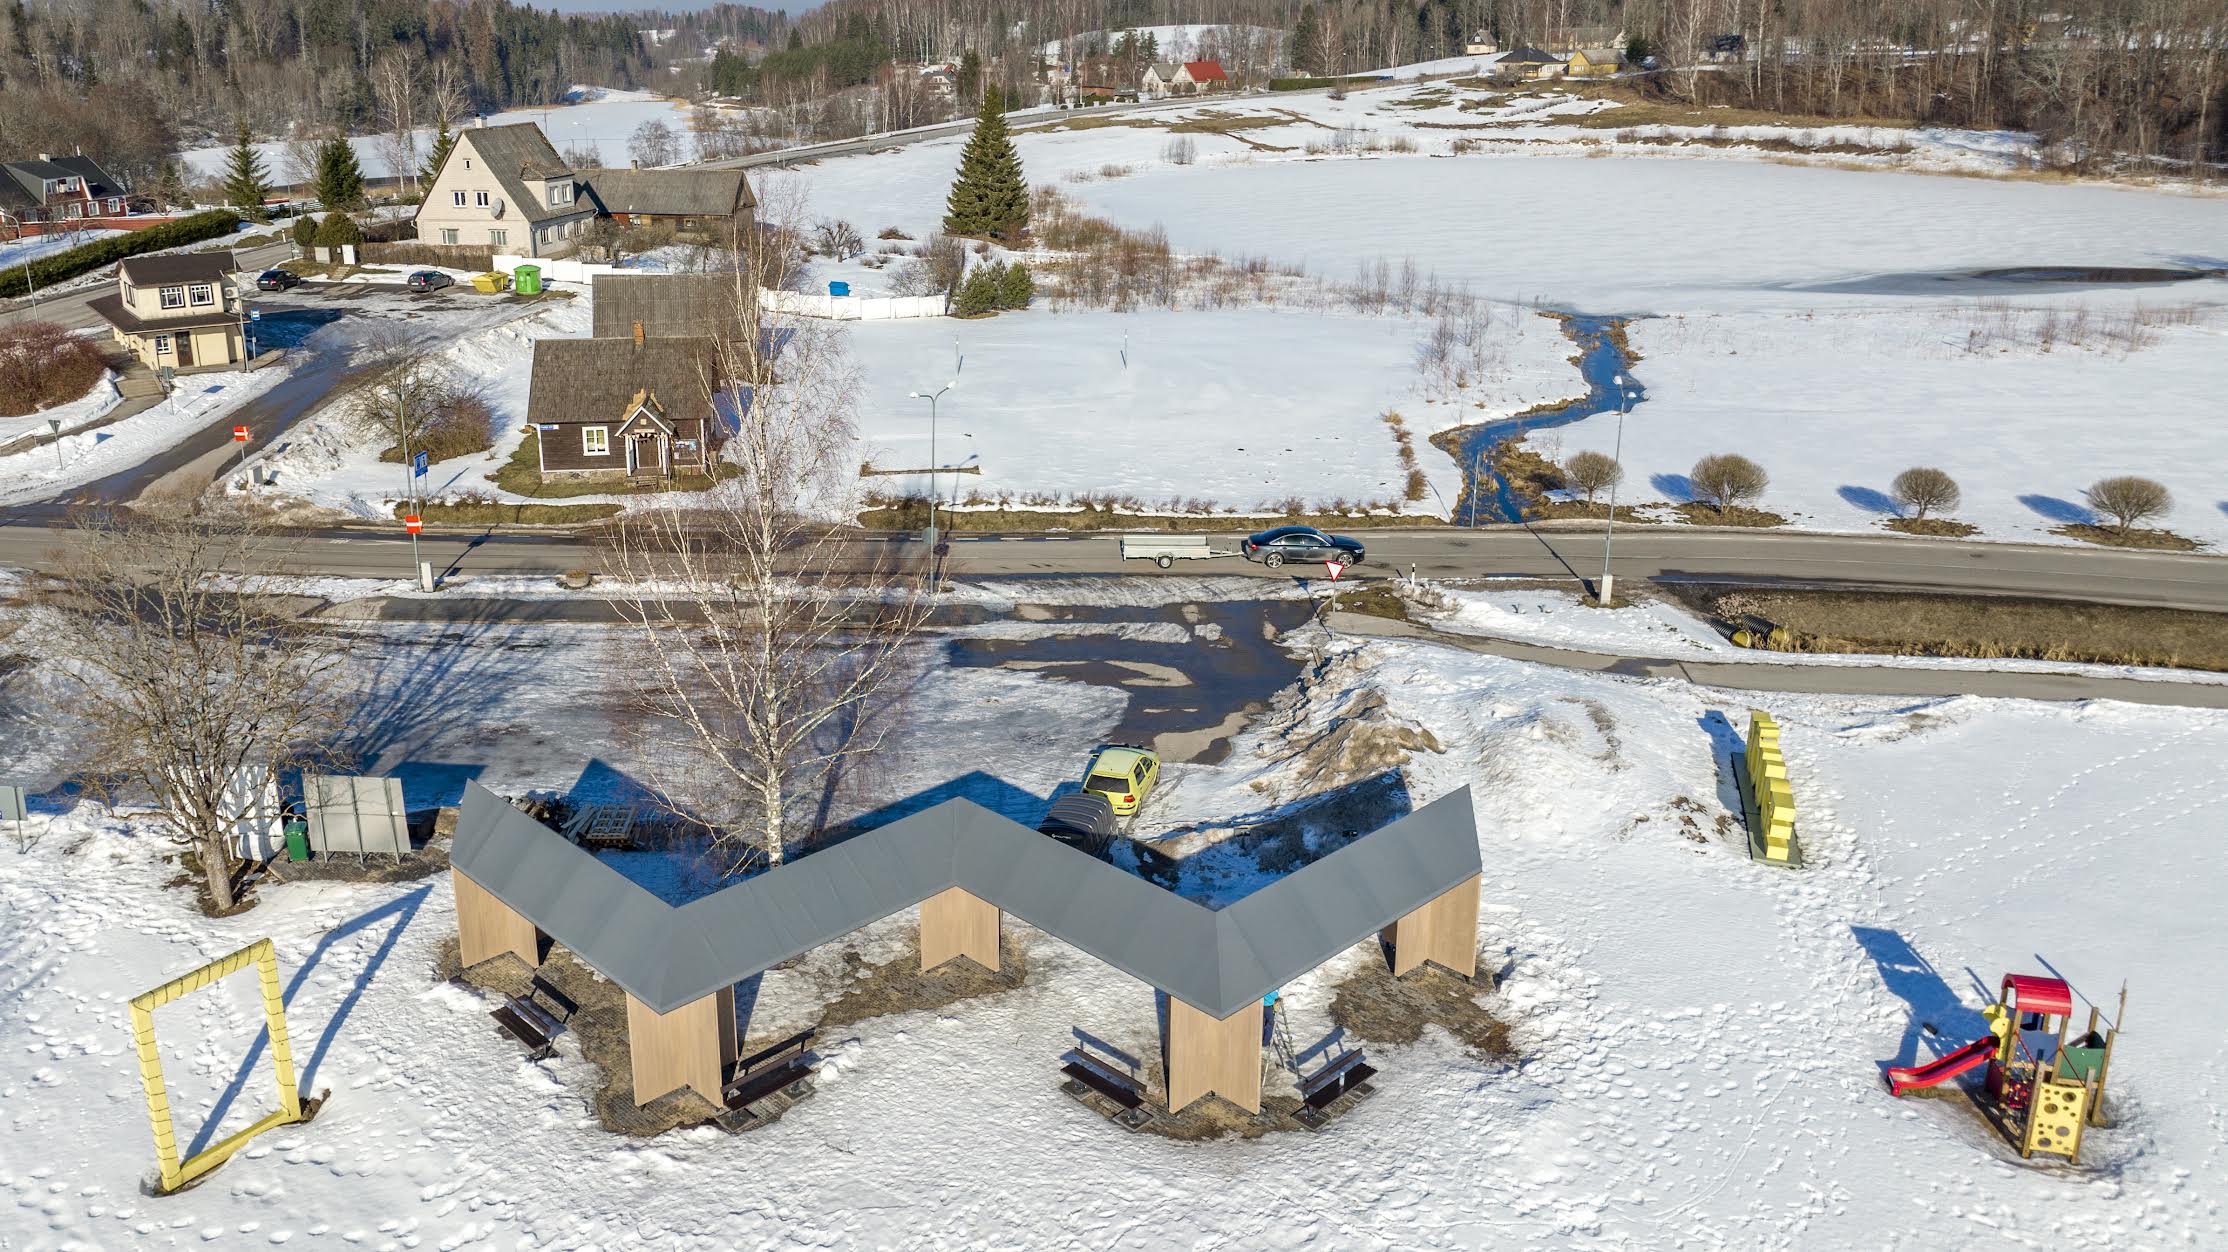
[(1216, 960)]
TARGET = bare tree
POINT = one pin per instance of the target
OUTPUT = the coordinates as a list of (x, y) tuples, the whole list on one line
[(837, 238), (394, 83), (773, 644), (652, 144), (1727, 480), (1921, 490), (2128, 500), (1593, 473), (194, 693)]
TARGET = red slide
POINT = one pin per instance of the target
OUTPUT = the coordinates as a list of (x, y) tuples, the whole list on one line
[(1968, 1057)]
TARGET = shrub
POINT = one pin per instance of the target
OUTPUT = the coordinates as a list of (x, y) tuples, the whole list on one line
[(979, 294), (1921, 490), (2128, 500), (1181, 150), (1728, 480), (1016, 289), (1593, 473), (41, 364), (305, 231), (50, 270), (338, 230), (837, 238)]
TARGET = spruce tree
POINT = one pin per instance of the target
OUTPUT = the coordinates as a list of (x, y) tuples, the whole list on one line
[(340, 181), (246, 183), (1303, 42), (990, 197), (1016, 288), (443, 140)]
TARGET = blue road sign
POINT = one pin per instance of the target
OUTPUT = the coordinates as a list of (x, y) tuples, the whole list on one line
[(418, 465), (255, 315)]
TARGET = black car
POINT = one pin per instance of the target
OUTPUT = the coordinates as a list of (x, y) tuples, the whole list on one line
[(1300, 543), (428, 280), (277, 280)]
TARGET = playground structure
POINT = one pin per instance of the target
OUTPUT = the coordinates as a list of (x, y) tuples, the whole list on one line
[(176, 1173), (1414, 884), (1766, 798), (2041, 1089)]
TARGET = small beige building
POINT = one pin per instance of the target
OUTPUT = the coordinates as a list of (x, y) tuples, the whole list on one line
[(178, 311), (505, 188), (1593, 63)]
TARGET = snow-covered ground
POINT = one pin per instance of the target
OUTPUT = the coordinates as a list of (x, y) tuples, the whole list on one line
[(196, 400), (602, 121), (32, 247), (95, 404), (1701, 1037), (1236, 407)]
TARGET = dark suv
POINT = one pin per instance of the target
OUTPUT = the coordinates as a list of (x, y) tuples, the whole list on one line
[(1082, 820), (1301, 543), (428, 280)]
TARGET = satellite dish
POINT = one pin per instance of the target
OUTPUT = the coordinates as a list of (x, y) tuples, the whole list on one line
[(496, 209)]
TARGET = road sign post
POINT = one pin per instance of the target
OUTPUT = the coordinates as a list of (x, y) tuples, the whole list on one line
[(240, 436), (54, 428), (413, 523)]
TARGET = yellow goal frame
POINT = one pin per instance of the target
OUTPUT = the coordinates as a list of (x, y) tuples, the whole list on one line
[(176, 1173)]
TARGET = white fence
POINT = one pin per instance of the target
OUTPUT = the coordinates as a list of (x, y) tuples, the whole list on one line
[(557, 271), (854, 308)]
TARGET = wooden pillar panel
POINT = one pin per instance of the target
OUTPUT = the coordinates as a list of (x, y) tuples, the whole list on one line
[(953, 924), (692, 1046), (1207, 1056), (1444, 931), (486, 927)]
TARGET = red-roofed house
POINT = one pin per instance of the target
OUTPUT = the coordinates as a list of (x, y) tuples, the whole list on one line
[(1198, 76)]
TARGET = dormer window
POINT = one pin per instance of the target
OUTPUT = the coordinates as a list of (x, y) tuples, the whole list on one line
[(203, 293), (174, 297)]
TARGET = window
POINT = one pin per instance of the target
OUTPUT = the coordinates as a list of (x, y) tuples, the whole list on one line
[(457, 198), (467, 165), (203, 293), (1110, 784), (499, 237), (595, 441), (162, 345), (479, 198), (449, 235), (174, 297)]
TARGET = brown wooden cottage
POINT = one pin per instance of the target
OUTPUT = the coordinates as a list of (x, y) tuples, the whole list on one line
[(639, 409)]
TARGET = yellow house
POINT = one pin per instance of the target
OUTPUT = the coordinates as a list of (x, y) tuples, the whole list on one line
[(180, 311), (1594, 63)]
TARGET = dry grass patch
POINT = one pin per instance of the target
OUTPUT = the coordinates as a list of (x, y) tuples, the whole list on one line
[(2133, 537), (1901, 624), (1940, 527), (1379, 1008), (488, 511), (913, 515), (1699, 514)]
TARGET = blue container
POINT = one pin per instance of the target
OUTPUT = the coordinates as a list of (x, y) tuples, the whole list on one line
[(839, 289)]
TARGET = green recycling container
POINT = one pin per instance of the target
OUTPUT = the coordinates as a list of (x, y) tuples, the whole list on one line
[(526, 280), (297, 840)]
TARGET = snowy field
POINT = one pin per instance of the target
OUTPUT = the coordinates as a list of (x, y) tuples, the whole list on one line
[(602, 121), (1237, 407), (1701, 1037)]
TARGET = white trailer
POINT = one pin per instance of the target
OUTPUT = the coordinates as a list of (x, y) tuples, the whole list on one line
[(1165, 550)]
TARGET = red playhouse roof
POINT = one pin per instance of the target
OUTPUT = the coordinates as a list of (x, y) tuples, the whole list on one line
[(2039, 995), (1206, 71)]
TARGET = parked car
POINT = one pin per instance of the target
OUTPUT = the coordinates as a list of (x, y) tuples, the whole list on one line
[(1301, 543), (1125, 774), (1082, 820), (428, 280), (277, 280)]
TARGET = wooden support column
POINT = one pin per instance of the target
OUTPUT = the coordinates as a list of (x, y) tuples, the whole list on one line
[(692, 1046), (1444, 931), (1207, 1056), (486, 927), (954, 923)]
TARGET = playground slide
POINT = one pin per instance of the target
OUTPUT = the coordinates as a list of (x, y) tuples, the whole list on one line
[(1939, 1071)]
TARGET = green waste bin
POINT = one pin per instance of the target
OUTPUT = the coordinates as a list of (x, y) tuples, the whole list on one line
[(526, 280), (297, 840)]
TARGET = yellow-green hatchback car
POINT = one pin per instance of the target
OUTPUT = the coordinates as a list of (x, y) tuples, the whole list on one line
[(1125, 774)]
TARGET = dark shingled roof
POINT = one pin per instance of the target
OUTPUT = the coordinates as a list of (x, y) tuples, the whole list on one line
[(667, 305), (1216, 960), (180, 267), (596, 380), (25, 184), (671, 193)]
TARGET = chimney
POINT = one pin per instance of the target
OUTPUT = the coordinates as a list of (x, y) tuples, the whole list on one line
[(638, 334), (46, 156)]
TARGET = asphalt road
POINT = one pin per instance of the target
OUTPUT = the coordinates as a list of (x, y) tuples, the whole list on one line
[(2104, 575)]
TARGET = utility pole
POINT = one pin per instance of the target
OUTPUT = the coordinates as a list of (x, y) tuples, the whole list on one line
[(1609, 536), (409, 476)]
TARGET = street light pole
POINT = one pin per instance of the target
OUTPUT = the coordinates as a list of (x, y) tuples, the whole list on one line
[(932, 397), (1609, 536)]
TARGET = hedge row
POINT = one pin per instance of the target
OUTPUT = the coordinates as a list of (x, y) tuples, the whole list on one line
[(62, 266), (1302, 84)]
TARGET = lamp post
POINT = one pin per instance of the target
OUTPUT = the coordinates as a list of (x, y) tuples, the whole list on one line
[(1609, 536), (932, 397), (6, 216)]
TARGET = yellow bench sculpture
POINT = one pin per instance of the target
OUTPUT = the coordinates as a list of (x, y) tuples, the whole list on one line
[(1769, 800)]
